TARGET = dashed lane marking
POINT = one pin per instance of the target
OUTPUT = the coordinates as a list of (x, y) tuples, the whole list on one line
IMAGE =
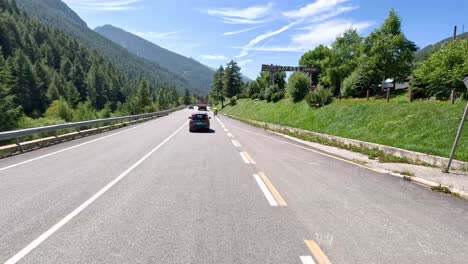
[(265, 191), (317, 252), (307, 260), (242, 154), (279, 199), (249, 158), (236, 143)]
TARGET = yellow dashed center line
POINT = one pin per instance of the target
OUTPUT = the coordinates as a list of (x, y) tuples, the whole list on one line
[(274, 192), (249, 158), (317, 252)]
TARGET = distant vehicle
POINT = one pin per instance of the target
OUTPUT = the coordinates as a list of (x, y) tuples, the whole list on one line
[(199, 122), (202, 107), (190, 107)]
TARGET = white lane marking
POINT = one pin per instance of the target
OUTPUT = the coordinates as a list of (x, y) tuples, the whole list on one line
[(230, 135), (226, 130), (307, 260), (236, 143), (75, 212), (76, 146), (246, 160), (311, 150), (265, 191), (249, 158)]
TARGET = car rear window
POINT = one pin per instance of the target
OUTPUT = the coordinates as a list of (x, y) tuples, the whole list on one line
[(199, 117)]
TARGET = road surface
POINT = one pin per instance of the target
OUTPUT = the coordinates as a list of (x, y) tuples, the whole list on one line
[(155, 193)]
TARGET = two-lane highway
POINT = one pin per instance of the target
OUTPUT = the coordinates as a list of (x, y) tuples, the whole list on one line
[(155, 193)]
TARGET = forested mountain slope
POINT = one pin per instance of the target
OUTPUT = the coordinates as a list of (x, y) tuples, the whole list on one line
[(40, 65), (56, 14), (197, 74)]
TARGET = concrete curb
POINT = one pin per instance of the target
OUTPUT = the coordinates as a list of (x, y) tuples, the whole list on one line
[(401, 153), (420, 181), (417, 180)]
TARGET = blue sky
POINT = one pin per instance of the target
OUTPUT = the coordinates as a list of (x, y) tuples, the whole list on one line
[(274, 31)]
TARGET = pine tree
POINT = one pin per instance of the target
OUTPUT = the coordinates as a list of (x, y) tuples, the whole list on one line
[(25, 88), (77, 78), (143, 94), (53, 91), (232, 81), (10, 112), (3, 5), (217, 88)]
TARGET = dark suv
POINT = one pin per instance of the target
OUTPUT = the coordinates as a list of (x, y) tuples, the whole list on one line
[(199, 121)]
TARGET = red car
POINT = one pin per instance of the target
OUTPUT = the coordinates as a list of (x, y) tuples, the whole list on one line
[(202, 108)]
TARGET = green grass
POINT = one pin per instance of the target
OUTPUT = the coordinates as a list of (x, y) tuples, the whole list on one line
[(407, 173), (441, 189), (421, 126)]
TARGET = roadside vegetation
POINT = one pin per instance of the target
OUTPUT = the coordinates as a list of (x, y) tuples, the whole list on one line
[(48, 77), (348, 95), (422, 126)]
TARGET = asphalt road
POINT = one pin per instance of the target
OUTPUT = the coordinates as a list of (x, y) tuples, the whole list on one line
[(155, 193)]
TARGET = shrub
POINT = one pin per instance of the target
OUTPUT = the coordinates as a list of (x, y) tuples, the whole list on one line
[(356, 84), (84, 111), (269, 91), (60, 109), (253, 88), (298, 86), (444, 70), (27, 122), (233, 101), (106, 112), (277, 96), (319, 97)]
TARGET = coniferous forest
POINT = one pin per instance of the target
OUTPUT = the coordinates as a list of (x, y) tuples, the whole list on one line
[(48, 77)]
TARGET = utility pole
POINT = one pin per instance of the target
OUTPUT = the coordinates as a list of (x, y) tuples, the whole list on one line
[(460, 129), (454, 32)]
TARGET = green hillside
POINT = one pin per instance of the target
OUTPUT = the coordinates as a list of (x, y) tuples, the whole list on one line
[(428, 127), (424, 52)]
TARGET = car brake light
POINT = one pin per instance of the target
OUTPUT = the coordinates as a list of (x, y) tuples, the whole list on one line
[(207, 117)]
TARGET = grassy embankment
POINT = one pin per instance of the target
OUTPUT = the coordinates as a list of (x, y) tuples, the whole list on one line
[(422, 126)]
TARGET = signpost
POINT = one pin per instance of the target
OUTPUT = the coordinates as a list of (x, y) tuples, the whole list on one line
[(275, 68), (460, 129)]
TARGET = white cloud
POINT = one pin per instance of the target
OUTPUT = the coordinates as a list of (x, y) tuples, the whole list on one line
[(213, 57), (249, 15), (242, 63), (313, 9), (320, 34), (258, 39), (152, 35), (316, 31), (103, 5), (325, 33), (239, 31)]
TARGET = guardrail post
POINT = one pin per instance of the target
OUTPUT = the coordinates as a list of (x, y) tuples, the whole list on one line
[(18, 143)]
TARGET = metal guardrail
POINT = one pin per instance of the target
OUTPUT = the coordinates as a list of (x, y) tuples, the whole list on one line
[(38, 130)]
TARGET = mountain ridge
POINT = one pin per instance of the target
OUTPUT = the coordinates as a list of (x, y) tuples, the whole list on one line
[(56, 14), (193, 71), (426, 51)]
